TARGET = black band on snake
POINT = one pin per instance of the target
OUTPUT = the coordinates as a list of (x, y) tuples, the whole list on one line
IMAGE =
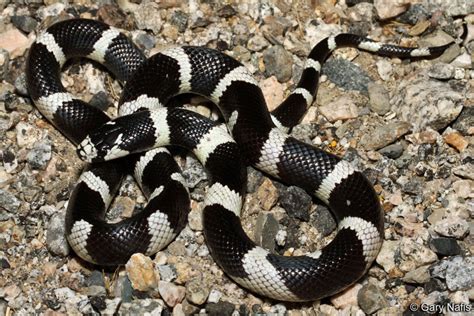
[(259, 138)]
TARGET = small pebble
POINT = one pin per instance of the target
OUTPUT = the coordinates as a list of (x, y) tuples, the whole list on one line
[(265, 230), (384, 135), (39, 156), (441, 71), (8, 201), (141, 272), (420, 275), (171, 294), (296, 202), (56, 241), (214, 296), (388, 9), (346, 298), (4, 63), (25, 23), (445, 246), (346, 75), (371, 298), (456, 140), (379, 98), (278, 62), (392, 151), (452, 226), (257, 43), (323, 221), (220, 309), (342, 108), (457, 271), (196, 291)]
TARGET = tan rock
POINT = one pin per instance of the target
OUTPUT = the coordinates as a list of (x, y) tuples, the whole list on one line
[(456, 140), (267, 194), (141, 272), (346, 298), (15, 42), (171, 294), (390, 8), (342, 108), (273, 92)]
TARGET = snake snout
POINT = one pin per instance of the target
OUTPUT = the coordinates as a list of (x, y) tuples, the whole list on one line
[(100, 144)]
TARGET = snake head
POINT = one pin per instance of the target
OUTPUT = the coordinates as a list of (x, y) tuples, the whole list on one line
[(103, 144)]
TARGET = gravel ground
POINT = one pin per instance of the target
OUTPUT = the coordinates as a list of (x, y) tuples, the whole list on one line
[(407, 124)]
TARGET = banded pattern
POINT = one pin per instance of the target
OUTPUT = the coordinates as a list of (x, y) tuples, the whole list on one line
[(258, 137), (88, 234)]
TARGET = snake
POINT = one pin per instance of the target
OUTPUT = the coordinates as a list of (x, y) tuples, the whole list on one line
[(247, 135)]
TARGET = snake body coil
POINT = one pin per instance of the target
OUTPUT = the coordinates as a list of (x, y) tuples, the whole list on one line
[(258, 138)]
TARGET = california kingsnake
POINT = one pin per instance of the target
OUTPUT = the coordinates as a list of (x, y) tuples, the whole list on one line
[(260, 140)]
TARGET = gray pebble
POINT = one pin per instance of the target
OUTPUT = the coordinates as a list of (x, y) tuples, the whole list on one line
[(420, 275), (465, 171), (196, 291), (257, 43), (167, 272), (441, 71), (346, 75), (465, 120), (392, 151), (220, 309), (351, 3), (98, 302), (112, 306), (371, 298), (193, 173), (278, 309), (20, 85), (415, 13), (126, 292), (419, 101), (200, 22), (145, 306), (95, 290), (241, 53), (452, 7), (226, 11), (4, 63), (379, 101), (434, 285), (403, 161), (56, 241), (457, 271), (413, 186), (145, 40), (384, 135), (4, 264), (39, 156), (180, 19), (323, 220), (3, 306), (265, 231), (9, 202), (254, 179), (445, 246), (100, 100), (95, 278), (278, 62), (296, 202), (24, 23)]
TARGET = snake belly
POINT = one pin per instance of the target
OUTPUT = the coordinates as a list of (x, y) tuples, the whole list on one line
[(259, 139)]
